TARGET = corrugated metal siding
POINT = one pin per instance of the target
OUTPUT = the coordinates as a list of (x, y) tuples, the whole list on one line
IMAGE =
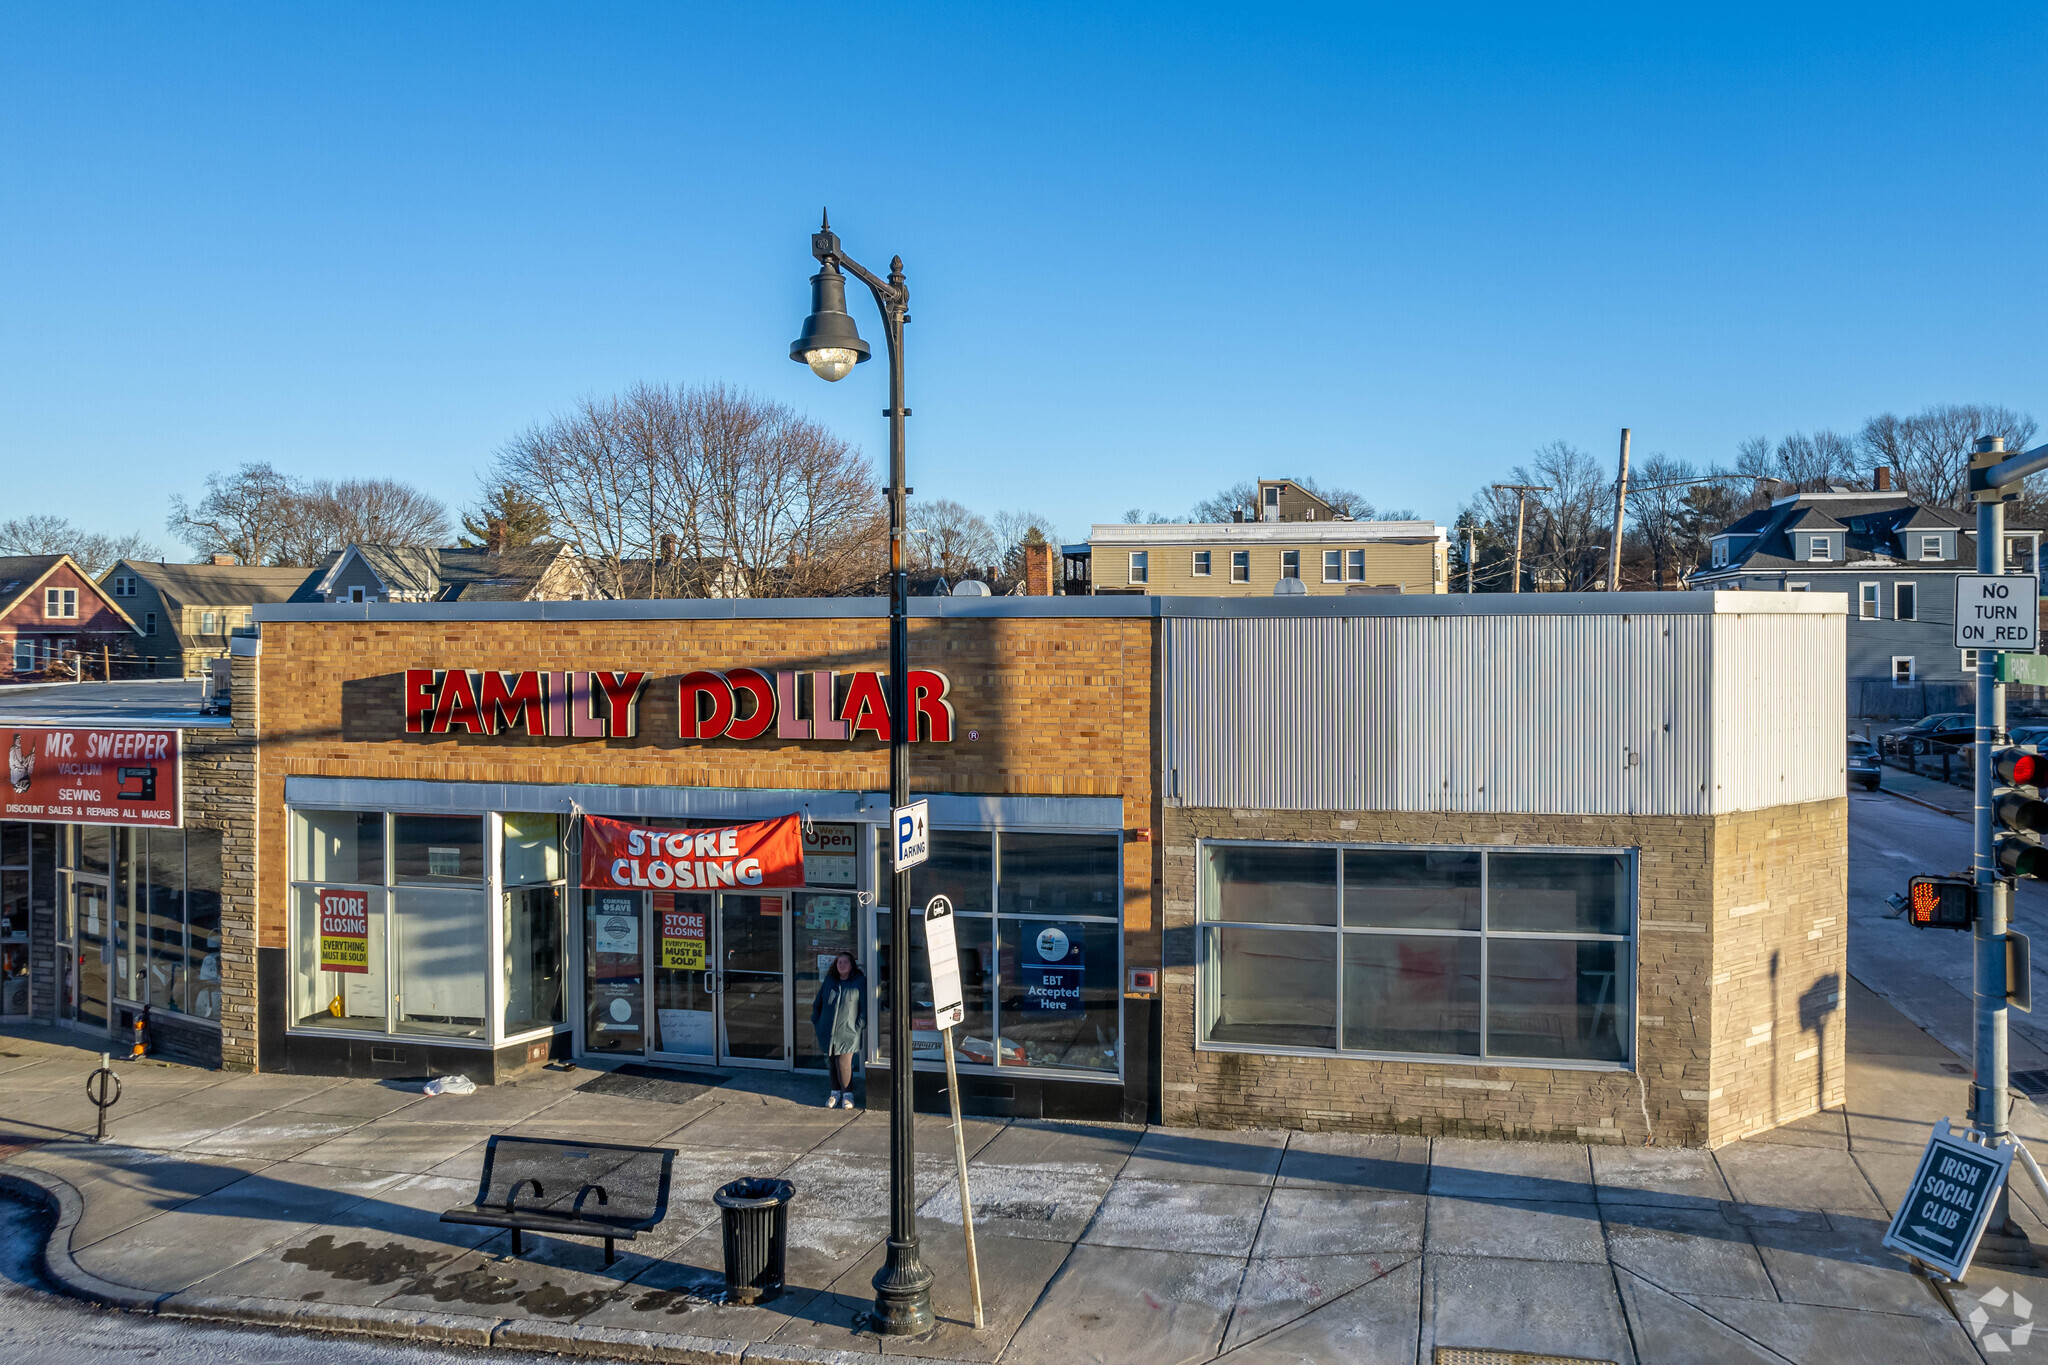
[(1585, 715), (1780, 710)]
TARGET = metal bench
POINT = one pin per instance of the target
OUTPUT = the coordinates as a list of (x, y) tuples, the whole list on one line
[(570, 1189)]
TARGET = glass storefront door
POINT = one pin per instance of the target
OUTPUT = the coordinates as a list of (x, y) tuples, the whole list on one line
[(753, 989), (685, 1002), (91, 915)]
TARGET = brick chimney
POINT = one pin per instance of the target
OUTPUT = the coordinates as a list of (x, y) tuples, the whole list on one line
[(1038, 569), (494, 535), (1881, 479), (223, 559)]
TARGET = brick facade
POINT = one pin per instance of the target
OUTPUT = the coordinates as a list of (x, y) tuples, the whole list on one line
[(1043, 706), (1741, 936)]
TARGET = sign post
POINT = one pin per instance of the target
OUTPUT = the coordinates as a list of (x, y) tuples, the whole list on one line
[(949, 1008), (1943, 1212)]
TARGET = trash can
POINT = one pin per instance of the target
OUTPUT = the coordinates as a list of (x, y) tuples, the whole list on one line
[(756, 1217)]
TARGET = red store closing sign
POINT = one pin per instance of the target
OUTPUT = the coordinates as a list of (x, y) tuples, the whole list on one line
[(94, 777), (620, 855)]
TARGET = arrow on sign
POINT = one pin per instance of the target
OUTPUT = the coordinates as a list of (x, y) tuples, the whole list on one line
[(1922, 1230)]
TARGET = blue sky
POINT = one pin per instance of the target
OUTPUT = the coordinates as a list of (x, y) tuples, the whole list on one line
[(1152, 249)]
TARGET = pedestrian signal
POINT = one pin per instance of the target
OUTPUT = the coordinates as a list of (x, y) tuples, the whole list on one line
[(1940, 903)]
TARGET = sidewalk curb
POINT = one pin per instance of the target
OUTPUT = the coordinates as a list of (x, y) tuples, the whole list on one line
[(1925, 805), (451, 1329)]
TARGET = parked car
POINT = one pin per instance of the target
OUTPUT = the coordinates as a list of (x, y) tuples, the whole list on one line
[(2036, 735), (1948, 728), (1864, 764)]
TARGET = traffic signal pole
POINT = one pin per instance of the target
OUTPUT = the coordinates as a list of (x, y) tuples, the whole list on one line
[(1989, 1106)]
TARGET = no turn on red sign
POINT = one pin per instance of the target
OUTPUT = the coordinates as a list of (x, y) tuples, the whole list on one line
[(1997, 611)]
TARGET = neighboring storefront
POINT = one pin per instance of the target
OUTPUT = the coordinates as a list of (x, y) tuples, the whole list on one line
[(112, 832), (1558, 866)]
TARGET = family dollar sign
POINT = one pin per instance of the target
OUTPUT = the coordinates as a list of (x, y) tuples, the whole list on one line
[(1997, 611)]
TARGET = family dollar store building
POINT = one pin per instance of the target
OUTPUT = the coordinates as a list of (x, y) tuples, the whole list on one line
[(1535, 866)]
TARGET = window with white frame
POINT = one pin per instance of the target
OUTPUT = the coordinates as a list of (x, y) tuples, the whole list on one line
[(1455, 953), (1354, 566), (1969, 661), (1930, 547), (1866, 601), (1200, 567), (124, 585), (1799, 587), (1333, 566), (207, 621), (1290, 563), (1817, 548), (60, 604), (24, 656), (1720, 554), (1905, 601), (391, 923), (355, 594), (1902, 670), (1141, 570), (1240, 566), (149, 623)]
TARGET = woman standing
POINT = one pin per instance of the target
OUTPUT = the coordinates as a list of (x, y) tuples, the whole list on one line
[(838, 1015)]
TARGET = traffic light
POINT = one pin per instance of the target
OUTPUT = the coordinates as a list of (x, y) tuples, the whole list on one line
[(2021, 815), (1940, 903)]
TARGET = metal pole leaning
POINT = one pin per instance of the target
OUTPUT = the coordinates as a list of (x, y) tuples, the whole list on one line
[(960, 1167)]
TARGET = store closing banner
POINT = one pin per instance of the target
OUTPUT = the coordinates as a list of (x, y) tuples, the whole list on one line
[(619, 855)]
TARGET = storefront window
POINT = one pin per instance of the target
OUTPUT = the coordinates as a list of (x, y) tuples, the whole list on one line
[(442, 960), (1455, 953), (825, 925), (436, 850), (339, 973), (534, 964), (338, 846), (14, 901), (1041, 976), (200, 984)]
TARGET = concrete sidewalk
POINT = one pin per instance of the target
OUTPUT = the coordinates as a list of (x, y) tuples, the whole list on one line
[(314, 1202)]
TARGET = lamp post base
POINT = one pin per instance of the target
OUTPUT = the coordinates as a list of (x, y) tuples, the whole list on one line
[(903, 1293)]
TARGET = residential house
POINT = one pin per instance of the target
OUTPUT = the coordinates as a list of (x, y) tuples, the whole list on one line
[(410, 573), (1894, 559), (51, 610), (1290, 534), (186, 614)]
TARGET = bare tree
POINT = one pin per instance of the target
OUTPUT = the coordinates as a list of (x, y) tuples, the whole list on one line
[(1657, 506), (1929, 452), (949, 540), (92, 551), (368, 512), (1565, 530), (594, 486), (1245, 494), (252, 514), (667, 491)]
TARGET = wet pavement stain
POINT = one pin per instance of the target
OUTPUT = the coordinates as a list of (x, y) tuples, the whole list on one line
[(477, 1286), (550, 1302), (360, 1261), (671, 1301)]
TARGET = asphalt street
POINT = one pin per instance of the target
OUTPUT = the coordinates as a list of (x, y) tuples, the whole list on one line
[(1927, 973), (38, 1325)]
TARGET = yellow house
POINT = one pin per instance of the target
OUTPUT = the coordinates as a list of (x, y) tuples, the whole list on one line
[(1249, 559)]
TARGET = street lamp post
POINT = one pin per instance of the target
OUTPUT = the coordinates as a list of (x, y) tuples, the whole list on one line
[(831, 346)]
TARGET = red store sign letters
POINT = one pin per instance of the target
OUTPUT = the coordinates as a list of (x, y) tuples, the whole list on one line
[(738, 703)]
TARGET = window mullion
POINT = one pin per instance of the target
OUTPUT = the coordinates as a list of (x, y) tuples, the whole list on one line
[(1485, 955)]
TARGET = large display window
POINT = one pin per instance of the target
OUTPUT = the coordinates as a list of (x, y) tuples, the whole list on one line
[(138, 921), (1502, 955), (393, 929), (1040, 934)]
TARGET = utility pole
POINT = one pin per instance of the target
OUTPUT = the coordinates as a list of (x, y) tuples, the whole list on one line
[(1471, 560), (1521, 492), (1620, 501)]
